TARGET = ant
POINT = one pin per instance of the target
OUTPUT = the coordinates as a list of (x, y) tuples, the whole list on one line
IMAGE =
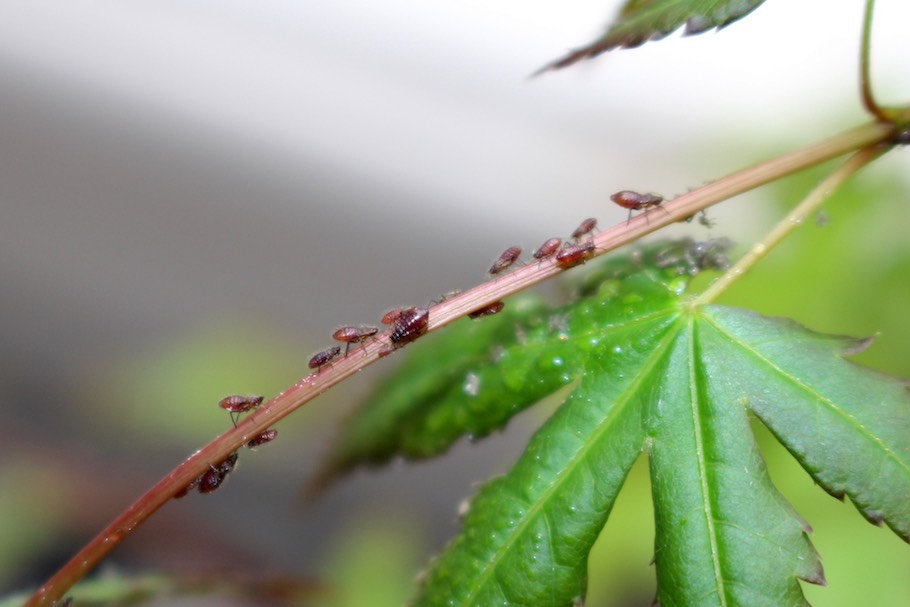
[(238, 403), (634, 201), (507, 258)]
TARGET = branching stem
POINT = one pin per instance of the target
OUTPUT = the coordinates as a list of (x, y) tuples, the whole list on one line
[(793, 220), (442, 314), (865, 76)]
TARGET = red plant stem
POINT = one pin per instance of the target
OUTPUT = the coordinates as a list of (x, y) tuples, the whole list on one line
[(440, 315)]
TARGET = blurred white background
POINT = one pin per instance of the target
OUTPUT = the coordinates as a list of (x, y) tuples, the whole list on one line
[(329, 159), (166, 165)]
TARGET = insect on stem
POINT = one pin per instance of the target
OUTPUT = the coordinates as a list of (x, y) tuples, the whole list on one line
[(239, 403), (634, 201), (505, 260)]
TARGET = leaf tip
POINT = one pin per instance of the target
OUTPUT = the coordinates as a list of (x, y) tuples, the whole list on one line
[(875, 517), (572, 58), (817, 577), (837, 494), (697, 25), (855, 346)]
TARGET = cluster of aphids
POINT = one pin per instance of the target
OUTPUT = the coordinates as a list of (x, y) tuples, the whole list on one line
[(576, 249), (215, 476), (409, 323)]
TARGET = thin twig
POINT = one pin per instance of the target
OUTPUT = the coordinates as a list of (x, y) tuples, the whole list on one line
[(793, 220)]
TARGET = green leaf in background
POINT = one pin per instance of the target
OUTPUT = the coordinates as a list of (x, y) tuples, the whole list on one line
[(643, 20), (678, 382), (471, 378)]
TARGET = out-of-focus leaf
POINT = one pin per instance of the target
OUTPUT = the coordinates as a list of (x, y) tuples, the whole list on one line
[(115, 589), (642, 20)]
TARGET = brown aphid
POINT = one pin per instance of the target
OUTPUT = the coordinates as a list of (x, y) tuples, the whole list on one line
[(505, 260), (488, 310), (445, 297), (392, 316), (548, 249), (386, 350), (584, 228), (239, 403), (215, 475), (575, 254), (634, 201), (354, 335), (266, 436), (324, 357), (210, 481), (188, 488), (410, 325)]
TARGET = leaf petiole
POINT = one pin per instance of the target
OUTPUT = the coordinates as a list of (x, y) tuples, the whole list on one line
[(794, 219)]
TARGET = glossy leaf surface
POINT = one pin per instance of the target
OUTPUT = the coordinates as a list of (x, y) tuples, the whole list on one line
[(659, 376)]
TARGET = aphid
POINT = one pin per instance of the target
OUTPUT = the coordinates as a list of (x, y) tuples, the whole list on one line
[(392, 316), (410, 325), (584, 228), (634, 201), (323, 358), (507, 258), (548, 248), (354, 335), (488, 310), (703, 219), (266, 436), (575, 254), (215, 475), (446, 296), (210, 481), (239, 403)]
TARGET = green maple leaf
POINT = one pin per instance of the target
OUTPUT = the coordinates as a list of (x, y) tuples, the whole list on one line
[(660, 376)]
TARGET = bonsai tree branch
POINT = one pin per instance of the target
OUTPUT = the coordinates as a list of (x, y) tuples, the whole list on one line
[(440, 315)]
